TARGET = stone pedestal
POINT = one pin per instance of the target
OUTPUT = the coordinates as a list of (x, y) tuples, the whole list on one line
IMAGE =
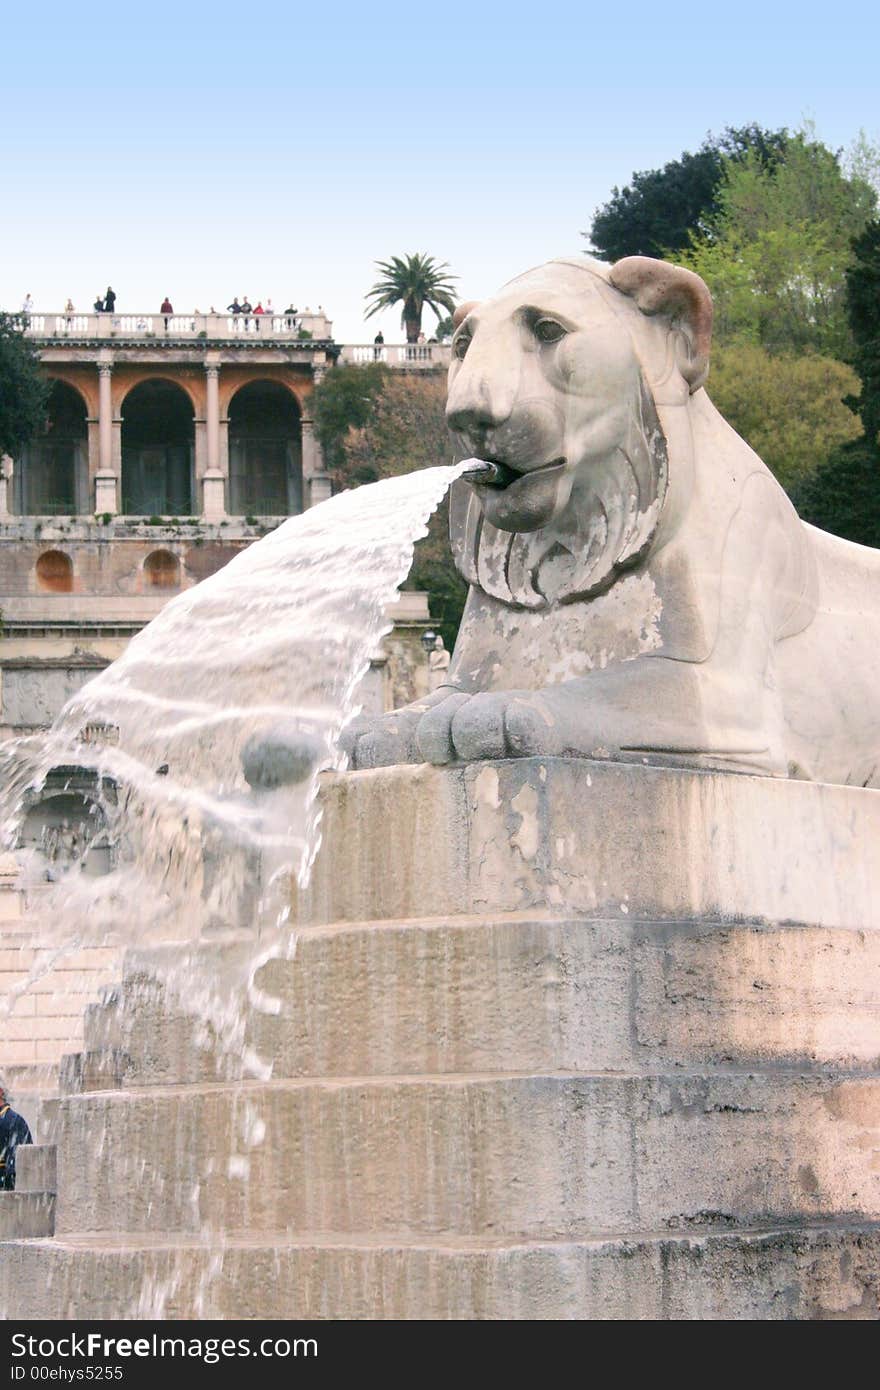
[(558, 1039), (320, 488), (214, 495), (106, 499)]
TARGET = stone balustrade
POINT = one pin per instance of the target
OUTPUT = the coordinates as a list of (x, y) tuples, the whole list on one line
[(216, 328), (180, 327), (408, 355)]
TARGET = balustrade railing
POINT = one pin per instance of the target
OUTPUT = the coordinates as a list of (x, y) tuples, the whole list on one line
[(158, 326), (251, 328), (409, 355)]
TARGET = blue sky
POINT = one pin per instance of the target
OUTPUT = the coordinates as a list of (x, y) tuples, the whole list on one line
[(279, 151)]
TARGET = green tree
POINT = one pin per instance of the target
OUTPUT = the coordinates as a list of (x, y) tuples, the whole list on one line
[(788, 406), (776, 251), (404, 429), (24, 392), (343, 401), (413, 281), (661, 209)]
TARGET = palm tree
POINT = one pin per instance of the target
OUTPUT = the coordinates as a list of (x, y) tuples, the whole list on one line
[(416, 281)]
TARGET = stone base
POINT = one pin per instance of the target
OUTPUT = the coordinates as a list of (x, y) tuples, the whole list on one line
[(557, 1040), (822, 1273)]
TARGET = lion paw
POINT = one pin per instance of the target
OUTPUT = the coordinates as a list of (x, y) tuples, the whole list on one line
[(458, 728), (496, 724)]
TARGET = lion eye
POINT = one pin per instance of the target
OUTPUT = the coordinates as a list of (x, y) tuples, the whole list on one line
[(461, 345), (548, 331)]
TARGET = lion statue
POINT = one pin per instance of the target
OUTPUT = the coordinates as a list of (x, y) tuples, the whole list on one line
[(641, 586)]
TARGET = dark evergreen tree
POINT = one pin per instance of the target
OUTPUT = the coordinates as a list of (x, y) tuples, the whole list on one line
[(658, 211), (863, 309), (843, 495)]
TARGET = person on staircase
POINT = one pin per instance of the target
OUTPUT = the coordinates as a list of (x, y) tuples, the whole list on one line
[(13, 1131)]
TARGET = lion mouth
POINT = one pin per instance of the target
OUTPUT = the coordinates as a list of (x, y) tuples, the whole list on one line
[(499, 475)]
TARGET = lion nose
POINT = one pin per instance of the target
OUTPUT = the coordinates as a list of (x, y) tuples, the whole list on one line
[(475, 409)]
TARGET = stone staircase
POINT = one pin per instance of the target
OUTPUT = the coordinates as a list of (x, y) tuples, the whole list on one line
[(29, 1211), (528, 1061)]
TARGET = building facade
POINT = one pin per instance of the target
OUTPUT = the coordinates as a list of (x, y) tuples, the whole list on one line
[(172, 442)]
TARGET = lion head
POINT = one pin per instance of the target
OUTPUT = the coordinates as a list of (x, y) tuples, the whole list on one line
[(562, 380)]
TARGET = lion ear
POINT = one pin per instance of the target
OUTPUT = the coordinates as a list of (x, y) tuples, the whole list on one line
[(462, 312), (660, 288)]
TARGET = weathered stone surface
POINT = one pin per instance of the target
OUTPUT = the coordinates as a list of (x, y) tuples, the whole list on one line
[(781, 1274), (529, 1063), (523, 1157), (26, 1215), (513, 994), (35, 1168), (595, 839)]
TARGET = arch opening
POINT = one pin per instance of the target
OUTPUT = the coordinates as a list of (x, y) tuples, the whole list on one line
[(265, 451), (55, 572), (158, 432), (52, 474), (162, 570), (67, 829)]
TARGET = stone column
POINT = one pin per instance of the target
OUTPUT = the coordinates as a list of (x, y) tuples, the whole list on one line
[(212, 416), (107, 476), (214, 486), (317, 486), (6, 473)]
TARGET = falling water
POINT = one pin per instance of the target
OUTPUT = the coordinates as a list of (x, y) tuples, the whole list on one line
[(200, 747)]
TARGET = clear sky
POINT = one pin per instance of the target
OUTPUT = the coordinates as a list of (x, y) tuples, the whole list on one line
[(280, 150)]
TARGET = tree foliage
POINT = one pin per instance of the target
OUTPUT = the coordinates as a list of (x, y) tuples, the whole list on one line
[(343, 400), (413, 281), (776, 250), (843, 495), (863, 308), (789, 407), (24, 392), (661, 209)]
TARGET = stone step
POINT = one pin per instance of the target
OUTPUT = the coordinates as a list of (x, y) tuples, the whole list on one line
[(513, 1156), (36, 1168), (93, 1070), (516, 993), (594, 839), (810, 1273), (25, 1215)]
